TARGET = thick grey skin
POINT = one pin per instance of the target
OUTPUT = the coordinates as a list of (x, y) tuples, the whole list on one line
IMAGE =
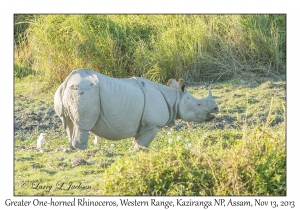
[(120, 108)]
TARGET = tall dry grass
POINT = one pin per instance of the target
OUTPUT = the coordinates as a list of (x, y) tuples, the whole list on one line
[(196, 47)]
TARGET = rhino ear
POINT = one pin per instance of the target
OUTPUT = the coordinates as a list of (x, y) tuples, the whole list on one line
[(181, 84), (171, 82)]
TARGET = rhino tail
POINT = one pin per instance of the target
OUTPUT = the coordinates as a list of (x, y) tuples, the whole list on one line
[(58, 105)]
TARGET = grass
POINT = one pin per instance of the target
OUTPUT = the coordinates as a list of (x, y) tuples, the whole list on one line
[(242, 152), (157, 47)]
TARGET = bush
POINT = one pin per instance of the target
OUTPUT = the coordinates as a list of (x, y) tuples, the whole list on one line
[(254, 164)]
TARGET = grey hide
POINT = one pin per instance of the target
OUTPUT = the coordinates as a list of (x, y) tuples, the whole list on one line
[(120, 108)]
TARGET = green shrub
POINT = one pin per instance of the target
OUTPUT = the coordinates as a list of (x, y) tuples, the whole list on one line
[(169, 172), (254, 164)]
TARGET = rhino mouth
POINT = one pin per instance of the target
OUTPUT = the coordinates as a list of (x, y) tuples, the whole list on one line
[(209, 117)]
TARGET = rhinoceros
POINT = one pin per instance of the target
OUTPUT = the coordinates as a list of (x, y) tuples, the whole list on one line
[(115, 109)]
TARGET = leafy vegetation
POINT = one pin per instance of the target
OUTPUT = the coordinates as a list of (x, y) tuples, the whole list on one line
[(242, 152)]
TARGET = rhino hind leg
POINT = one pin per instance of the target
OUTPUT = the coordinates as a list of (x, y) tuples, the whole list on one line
[(79, 137), (68, 126), (143, 140)]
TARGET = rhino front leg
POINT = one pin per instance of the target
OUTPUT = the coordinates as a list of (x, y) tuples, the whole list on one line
[(144, 139), (79, 137)]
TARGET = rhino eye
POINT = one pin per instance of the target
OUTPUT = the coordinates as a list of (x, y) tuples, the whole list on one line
[(199, 104)]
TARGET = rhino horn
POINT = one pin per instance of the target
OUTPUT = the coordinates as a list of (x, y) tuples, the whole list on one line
[(209, 94)]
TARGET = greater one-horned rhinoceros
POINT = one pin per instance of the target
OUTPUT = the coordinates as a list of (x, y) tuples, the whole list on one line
[(120, 108)]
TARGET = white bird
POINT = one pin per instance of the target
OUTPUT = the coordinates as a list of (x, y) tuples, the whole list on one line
[(97, 140), (41, 141)]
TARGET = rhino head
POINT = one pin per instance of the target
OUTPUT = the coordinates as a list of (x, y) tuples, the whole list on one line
[(193, 109)]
